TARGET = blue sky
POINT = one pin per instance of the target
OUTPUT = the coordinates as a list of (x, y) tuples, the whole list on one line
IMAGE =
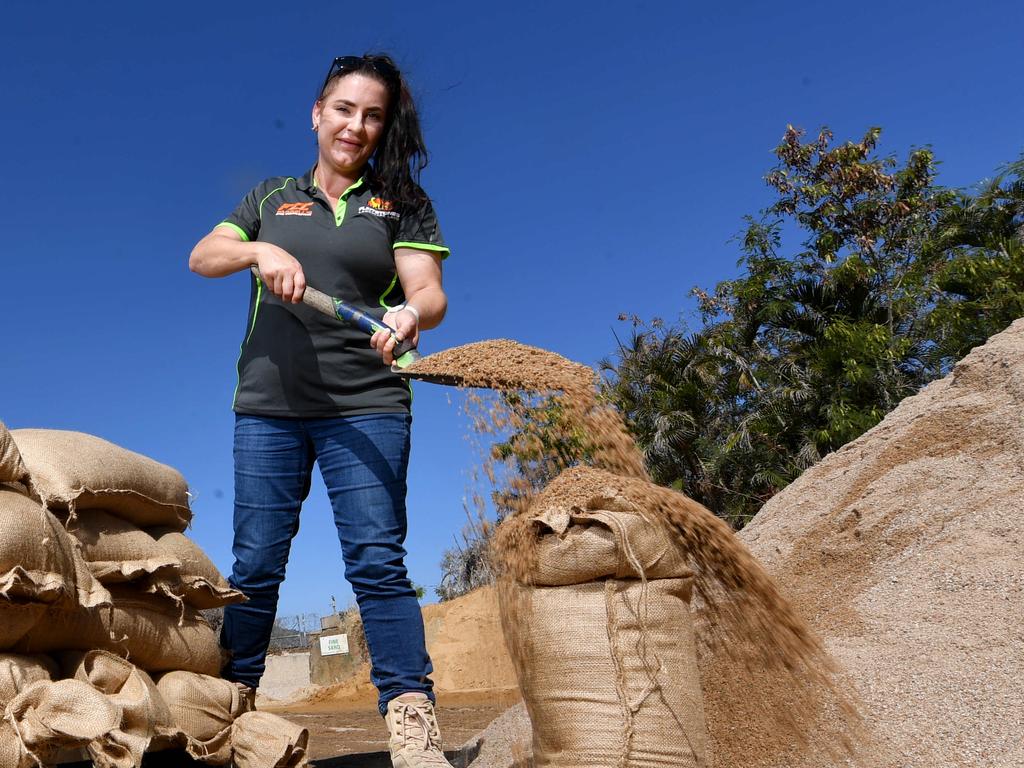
[(587, 159)]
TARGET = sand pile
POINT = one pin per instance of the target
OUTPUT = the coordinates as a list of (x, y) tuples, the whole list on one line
[(904, 550)]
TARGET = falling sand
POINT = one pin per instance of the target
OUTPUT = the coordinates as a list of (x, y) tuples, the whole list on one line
[(763, 670)]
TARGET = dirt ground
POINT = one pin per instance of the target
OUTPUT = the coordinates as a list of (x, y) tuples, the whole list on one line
[(349, 732)]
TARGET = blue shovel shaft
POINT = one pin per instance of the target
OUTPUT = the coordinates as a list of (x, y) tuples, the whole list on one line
[(328, 305)]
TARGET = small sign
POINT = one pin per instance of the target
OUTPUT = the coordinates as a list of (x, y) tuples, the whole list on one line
[(333, 645)]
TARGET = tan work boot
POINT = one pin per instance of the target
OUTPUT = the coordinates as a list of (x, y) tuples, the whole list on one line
[(246, 698), (413, 736)]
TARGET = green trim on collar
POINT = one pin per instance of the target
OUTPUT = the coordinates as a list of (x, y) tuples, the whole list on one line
[(342, 206), (238, 229)]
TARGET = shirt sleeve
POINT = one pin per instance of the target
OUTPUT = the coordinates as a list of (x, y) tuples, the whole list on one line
[(245, 219), (421, 230)]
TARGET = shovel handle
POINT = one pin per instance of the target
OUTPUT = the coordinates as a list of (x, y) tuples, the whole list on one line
[(341, 310)]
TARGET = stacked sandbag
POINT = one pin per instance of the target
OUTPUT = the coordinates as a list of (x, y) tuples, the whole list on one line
[(118, 551), (262, 740), (74, 471), (151, 631), (12, 468), (203, 708), (103, 494), (199, 583), (39, 568), (18, 671), (144, 722), (47, 718), (110, 586), (600, 632)]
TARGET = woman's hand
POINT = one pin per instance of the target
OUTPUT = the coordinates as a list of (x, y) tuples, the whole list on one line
[(281, 272), (406, 326)]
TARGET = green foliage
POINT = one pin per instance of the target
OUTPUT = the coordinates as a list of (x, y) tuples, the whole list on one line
[(891, 278)]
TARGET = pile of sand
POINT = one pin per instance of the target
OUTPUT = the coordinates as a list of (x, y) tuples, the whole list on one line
[(903, 549)]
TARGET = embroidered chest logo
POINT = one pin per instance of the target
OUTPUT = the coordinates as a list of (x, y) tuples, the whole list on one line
[(295, 209), (385, 209)]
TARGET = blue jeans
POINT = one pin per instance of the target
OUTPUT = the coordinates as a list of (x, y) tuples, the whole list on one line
[(363, 461)]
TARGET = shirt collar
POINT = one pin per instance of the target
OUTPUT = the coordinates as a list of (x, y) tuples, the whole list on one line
[(308, 183)]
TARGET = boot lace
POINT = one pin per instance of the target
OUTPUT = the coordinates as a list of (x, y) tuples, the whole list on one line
[(417, 730)]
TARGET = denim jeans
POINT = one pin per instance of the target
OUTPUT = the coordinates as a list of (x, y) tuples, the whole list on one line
[(363, 461)]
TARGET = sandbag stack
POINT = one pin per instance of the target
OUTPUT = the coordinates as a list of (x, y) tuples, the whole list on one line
[(96, 572), (596, 612)]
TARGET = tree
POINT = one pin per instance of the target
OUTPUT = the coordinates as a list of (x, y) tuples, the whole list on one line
[(890, 279)]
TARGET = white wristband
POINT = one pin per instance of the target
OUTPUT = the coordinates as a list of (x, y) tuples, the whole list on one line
[(415, 312)]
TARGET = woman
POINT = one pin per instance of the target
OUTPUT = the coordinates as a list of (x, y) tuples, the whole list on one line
[(311, 389)]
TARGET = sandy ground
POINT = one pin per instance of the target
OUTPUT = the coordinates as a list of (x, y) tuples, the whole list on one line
[(349, 733)]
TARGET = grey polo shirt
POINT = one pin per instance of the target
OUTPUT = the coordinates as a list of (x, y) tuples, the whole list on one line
[(296, 362)]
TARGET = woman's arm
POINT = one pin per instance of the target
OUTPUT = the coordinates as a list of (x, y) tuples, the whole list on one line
[(419, 272), (223, 252)]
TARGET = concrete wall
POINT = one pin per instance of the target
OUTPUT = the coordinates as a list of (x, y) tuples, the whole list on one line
[(286, 673)]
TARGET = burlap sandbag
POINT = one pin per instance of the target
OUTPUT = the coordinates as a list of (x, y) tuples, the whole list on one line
[(12, 468), (39, 562), (263, 740), (202, 585), (18, 671), (118, 551), (151, 632), (16, 620), (602, 641), (48, 717), (203, 707), (575, 547), (144, 715), (72, 470)]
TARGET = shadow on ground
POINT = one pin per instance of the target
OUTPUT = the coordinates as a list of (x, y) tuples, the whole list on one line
[(458, 758), (178, 759)]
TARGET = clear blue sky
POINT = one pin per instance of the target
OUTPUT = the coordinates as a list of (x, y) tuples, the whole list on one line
[(587, 159)]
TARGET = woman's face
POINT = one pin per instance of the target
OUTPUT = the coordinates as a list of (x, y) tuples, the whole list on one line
[(350, 122)]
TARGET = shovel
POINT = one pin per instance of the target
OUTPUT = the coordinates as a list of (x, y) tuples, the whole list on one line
[(404, 353)]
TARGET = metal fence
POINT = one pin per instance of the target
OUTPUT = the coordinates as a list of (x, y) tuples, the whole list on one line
[(291, 632)]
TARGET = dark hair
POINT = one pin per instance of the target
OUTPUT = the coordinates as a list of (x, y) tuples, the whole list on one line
[(401, 154)]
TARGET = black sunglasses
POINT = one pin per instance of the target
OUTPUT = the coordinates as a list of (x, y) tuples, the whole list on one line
[(360, 63)]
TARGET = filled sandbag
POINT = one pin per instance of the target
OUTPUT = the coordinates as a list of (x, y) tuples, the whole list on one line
[(202, 585), (150, 631), (50, 717), (203, 708), (12, 468), (18, 671), (16, 620), (579, 546), (600, 632), (263, 740), (73, 470), (39, 562), (118, 551), (144, 716)]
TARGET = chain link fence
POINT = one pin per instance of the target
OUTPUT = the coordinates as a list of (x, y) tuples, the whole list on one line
[(292, 632)]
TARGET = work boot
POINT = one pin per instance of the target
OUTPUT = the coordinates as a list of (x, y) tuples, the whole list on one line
[(413, 736), (246, 698)]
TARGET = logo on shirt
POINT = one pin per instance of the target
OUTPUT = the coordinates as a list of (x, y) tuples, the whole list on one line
[(385, 209), (295, 209)]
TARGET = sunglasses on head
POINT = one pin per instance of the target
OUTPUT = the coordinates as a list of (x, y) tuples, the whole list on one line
[(360, 63)]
